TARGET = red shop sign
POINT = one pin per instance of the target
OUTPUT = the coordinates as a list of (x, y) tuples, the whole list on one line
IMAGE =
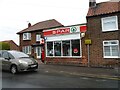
[(57, 31), (83, 28)]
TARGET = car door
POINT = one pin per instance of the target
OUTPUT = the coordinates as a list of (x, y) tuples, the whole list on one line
[(6, 61)]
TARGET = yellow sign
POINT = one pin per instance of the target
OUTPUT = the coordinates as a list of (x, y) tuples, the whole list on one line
[(88, 41)]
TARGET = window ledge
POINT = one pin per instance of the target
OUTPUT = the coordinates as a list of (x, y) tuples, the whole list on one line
[(64, 56), (26, 39), (111, 57), (110, 30)]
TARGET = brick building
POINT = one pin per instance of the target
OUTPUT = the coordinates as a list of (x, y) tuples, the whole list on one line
[(63, 45), (31, 36), (69, 44), (103, 24)]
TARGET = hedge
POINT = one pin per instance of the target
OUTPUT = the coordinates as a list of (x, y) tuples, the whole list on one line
[(4, 46)]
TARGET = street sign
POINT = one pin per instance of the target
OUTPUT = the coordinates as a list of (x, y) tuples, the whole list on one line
[(88, 41)]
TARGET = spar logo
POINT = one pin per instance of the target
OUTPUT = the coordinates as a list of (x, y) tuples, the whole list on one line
[(73, 29)]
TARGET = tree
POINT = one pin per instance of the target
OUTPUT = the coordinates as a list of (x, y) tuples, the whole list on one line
[(4, 46)]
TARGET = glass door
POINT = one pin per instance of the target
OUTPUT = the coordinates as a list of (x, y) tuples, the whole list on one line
[(38, 52)]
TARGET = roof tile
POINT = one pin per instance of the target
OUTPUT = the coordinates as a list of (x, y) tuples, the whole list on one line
[(103, 8), (42, 25)]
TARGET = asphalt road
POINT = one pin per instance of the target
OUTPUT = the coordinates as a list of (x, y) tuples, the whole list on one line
[(46, 79)]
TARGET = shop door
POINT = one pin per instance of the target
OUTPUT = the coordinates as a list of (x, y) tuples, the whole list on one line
[(38, 52)]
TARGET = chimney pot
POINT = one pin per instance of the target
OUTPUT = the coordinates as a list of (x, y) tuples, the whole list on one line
[(92, 3), (29, 25)]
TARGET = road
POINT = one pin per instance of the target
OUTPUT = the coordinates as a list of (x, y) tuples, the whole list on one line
[(47, 79)]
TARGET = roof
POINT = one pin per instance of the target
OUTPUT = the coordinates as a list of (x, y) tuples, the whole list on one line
[(8, 41), (104, 8), (42, 25)]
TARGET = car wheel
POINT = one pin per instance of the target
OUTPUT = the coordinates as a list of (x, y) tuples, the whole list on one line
[(13, 69)]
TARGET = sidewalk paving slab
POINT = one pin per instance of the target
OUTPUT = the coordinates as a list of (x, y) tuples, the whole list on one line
[(107, 73)]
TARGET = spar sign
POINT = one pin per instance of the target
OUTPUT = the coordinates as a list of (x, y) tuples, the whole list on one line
[(65, 30)]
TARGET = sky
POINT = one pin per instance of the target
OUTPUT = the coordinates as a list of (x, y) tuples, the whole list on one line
[(15, 14)]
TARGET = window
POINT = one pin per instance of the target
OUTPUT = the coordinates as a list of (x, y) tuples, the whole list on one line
[(38, 37), (0, 53), (49, 48), (57, 48), (75, 47), (111, 49), (26, 36), (110, 23), (65, 48), (27, 49), (5, 55)]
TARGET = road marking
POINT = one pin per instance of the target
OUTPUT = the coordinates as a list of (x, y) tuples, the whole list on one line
[(101, 80), (46, 71), (61, 71), (85, 78)]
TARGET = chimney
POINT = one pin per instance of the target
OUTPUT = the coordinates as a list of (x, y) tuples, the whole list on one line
[(92, 3), (29, 25)]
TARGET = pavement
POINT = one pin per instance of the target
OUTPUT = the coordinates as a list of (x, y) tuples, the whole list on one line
[(92, 72)]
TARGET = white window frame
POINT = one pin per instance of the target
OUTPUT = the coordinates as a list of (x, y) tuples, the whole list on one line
[(117, 41), (116, 22), (27, 49), (28, 36), (62, 52), (38, 37)]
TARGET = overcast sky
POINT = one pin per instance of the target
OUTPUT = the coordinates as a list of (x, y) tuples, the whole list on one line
[(15, 14)]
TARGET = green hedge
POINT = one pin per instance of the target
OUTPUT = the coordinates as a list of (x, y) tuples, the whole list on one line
[(4, 46)]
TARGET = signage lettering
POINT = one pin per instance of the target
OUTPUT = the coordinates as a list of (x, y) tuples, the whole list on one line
[(61, 31), (66, 30)]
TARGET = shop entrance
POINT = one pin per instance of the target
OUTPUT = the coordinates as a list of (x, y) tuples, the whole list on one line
[(38, 52)]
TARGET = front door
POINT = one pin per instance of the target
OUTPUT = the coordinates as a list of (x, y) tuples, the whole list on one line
[(38, 52)]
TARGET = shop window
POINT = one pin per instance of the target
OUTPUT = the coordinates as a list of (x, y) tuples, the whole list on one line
[(110, 23), (57, 48), (66, 48), (49, 48), (70, 48), (75, 47), (111, 49)]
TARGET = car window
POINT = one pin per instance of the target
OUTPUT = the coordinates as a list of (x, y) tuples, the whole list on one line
[(0, 54), (18, 54), (5, 55), (11, 56)]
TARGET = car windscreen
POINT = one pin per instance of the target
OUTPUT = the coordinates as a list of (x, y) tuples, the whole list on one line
[(18, 54)]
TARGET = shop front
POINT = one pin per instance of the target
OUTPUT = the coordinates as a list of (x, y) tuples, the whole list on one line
[(63, 45)]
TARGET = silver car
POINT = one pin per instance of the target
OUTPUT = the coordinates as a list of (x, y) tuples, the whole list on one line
[(16, 61)]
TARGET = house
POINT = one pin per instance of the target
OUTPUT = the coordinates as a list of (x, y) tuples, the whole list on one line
[(9, 45), (30, 37), (103, 29)]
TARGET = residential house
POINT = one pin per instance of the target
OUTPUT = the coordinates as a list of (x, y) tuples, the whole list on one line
[(30, 37), (11, 45), (103, 29)]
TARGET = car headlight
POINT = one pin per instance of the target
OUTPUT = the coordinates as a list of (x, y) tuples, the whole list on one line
[(24, 62)]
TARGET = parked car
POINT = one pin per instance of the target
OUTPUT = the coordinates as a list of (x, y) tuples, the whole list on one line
[(16, 61)]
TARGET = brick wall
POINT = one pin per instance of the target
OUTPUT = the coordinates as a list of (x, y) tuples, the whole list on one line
[(63, 61), (13, 46), (97, 36), (28, 42)]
